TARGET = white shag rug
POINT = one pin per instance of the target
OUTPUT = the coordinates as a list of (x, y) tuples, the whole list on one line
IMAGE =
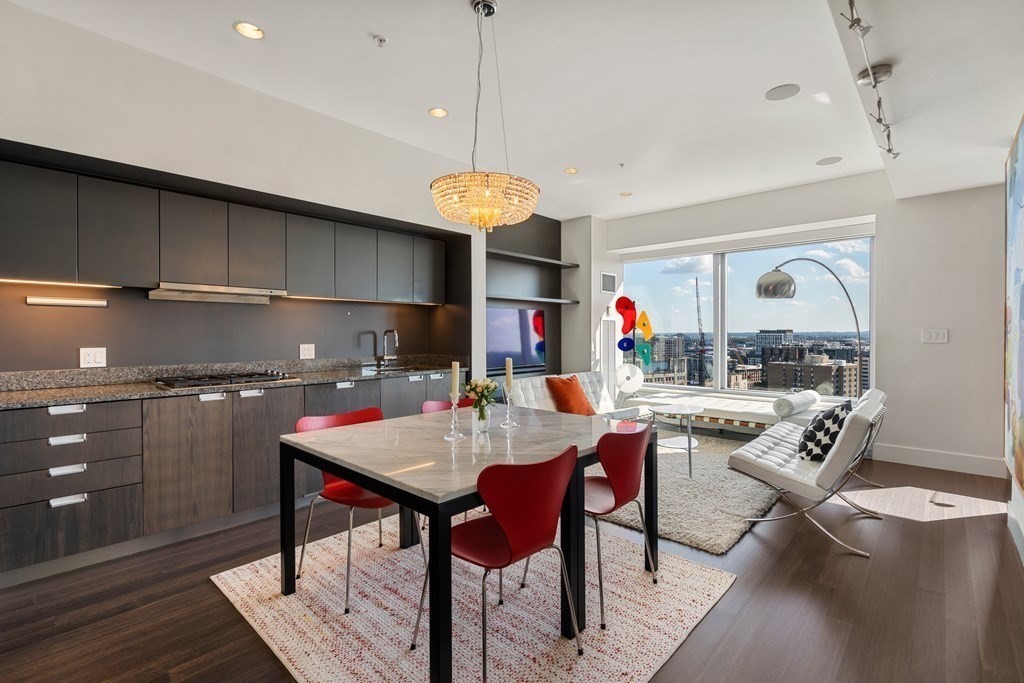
[(317, 642), (708, 512)]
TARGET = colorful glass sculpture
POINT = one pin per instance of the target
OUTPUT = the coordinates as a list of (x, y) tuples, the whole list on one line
[(643, 323), (625, 344), (625, 307), (538, 328)]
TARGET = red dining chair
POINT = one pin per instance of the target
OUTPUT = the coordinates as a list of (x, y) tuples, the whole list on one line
[(622, 458), (438, 406), (524, 503), (338, 490)]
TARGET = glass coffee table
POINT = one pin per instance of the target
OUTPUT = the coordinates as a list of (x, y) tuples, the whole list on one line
[(679, 411)]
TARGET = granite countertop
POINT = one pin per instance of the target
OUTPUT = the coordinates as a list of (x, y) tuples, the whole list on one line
[(41, 398)]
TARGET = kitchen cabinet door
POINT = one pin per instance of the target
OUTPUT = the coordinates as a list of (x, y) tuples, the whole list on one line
[(356, 262), (118, 233), (439, 385), (256, 247), (260, 417), (186, 459), (428, 270), (38, 223), (394, 266), (401, 396), (342, 397), (310, 269), (193, 239)]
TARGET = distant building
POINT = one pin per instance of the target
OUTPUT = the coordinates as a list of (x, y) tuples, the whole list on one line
[(745, 376), (765, 338), (784, 354), (818, 372)]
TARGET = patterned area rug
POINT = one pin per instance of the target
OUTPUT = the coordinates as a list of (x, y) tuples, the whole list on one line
[(708, 511), (317, 642)]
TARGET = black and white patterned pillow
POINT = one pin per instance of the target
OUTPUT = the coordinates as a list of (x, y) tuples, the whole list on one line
[(819, 437)]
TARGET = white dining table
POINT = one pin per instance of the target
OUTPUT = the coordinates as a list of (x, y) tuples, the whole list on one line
[(407, 460)]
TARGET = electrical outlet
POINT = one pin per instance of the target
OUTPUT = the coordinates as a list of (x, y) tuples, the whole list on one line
[(934, 336), (92, 358), (307, 351)]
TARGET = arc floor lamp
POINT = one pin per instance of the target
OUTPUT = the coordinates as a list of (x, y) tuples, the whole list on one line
[(778, 284)]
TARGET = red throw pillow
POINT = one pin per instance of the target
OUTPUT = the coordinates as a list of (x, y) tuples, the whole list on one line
[(569, 396)]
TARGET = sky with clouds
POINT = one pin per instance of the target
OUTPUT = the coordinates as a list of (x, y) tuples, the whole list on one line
[(665, 289)]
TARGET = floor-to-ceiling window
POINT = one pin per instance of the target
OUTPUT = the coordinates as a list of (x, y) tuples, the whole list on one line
[(808, 341)]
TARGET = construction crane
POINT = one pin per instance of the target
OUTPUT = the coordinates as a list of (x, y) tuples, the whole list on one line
[(701, 341)]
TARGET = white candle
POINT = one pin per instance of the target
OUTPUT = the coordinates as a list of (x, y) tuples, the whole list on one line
[(455, 378), (508, 373)]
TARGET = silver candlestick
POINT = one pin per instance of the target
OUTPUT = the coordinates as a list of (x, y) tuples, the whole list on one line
[(454, 434), (509, 422)]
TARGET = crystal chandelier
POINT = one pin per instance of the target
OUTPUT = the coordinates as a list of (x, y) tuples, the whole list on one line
[(484, 198)]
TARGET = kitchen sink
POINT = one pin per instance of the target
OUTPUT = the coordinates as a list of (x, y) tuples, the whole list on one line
[(385, 371)]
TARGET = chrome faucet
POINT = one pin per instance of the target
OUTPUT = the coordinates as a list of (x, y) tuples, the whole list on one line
[(394, 352)]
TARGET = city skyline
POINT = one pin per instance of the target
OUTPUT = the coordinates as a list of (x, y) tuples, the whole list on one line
[(665, 289)]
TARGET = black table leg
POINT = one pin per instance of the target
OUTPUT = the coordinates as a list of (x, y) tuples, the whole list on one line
[(575, 553), (287, 476), (440, 561), (651, 499), (408, 530)]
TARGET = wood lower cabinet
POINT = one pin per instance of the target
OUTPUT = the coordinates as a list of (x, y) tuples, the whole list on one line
[(439, 385), (401, 396), (260, 417), (186, 452), (342, 397)]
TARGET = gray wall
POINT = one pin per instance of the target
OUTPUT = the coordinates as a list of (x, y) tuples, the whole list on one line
[(137, 331)]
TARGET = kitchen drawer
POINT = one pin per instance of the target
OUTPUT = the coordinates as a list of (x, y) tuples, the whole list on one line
[(40, 423), (68, 449), (38, 532), (58, 482)]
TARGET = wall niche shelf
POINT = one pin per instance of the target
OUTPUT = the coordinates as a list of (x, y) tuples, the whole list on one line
[(530, 299), (532, 260)]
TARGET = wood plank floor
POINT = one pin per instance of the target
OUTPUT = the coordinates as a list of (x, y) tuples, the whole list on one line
[(937, 601)]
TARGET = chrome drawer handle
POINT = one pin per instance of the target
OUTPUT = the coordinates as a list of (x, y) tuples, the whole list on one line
[(416, 378), (69, 500), (65, 440), (68, 469), (213, 397), (344, 385), (437, 375), (250, 393), (66, 410)]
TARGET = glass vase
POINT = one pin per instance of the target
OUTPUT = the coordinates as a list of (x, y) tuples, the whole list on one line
[(482, 418)]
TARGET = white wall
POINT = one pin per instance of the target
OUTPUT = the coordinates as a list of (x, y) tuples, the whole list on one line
[(938, 263), (68, 89)]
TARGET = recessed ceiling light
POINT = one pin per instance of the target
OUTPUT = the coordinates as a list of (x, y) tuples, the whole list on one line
[(247, 30), (625, 194), (438, 112), (782, 92), (572, 170), (828, 161)]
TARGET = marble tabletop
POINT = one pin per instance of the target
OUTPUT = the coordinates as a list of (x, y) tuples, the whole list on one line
[(677, 409), (410, 453)]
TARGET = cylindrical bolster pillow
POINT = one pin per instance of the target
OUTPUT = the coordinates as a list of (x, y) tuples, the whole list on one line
[(791, 404)]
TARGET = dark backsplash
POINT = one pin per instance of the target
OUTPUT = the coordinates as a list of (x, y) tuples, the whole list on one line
[(137, 331)]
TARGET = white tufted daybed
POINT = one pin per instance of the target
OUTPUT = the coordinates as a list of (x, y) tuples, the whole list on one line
[(773, 458), (532, 392)]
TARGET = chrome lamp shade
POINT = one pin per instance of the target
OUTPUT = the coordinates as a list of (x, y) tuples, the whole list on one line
[(775, 285)]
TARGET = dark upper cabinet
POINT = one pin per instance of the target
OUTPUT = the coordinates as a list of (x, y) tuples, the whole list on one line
[(427, 270), (356, 259), (394, 266), (193, 239), (401, 396), (38, 223), (256, 247), (118, 233), (310, 256)]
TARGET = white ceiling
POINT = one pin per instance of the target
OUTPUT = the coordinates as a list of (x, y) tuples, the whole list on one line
[(674, 89), (957, 93)]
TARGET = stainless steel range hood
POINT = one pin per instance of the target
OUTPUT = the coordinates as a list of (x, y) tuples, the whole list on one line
[(179, 291)]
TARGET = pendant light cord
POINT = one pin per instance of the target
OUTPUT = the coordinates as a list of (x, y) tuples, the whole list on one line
[(501, 103), (479, 64)]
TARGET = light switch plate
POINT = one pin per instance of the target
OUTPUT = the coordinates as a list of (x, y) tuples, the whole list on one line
[(307, 351), (92, 358), (935, 336)]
